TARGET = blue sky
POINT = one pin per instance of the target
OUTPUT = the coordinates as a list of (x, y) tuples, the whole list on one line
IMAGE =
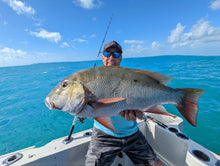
[(38, 31)]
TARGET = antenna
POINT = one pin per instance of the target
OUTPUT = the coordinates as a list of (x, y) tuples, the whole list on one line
[(100, 49)]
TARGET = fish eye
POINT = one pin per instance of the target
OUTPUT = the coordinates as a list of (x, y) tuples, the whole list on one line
[(64, 84)]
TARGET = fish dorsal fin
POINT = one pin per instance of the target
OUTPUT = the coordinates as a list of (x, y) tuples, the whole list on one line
[(162, 78)]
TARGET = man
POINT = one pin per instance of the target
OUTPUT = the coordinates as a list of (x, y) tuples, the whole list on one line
[(106, 144)]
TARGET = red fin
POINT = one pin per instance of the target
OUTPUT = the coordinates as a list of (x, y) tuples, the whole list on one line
[(105, 121), (106, 102), (188, 106), (159, 109)]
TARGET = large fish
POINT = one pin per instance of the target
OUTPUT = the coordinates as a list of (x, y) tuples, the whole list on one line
[(104, 91)]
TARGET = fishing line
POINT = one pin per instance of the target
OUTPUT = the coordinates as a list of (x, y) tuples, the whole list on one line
[(100, 49)]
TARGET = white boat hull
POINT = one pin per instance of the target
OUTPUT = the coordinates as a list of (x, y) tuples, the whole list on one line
[(164, 133)]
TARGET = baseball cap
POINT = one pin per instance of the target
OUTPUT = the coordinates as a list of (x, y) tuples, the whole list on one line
[(112, 44)]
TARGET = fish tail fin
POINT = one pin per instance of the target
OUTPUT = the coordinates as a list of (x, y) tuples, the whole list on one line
[(188, 106)]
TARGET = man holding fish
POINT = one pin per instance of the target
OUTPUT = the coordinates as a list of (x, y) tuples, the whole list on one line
[(106, 144), (114, 96)]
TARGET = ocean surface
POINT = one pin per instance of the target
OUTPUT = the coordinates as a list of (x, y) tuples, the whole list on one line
[(25, 120)]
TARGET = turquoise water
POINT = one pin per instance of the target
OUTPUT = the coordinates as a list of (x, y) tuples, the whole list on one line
[(26, 121)]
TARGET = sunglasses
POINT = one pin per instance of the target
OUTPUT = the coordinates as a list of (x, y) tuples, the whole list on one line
[(114, 54)]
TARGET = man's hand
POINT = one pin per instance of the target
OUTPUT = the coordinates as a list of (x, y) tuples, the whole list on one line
[(132, 114)]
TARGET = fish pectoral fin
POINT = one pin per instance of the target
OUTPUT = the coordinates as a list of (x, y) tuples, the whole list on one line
[(105, 121), (105, 102), (159, 109)]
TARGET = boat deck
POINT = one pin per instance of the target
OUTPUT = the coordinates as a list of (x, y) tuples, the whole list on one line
[(164, 134)]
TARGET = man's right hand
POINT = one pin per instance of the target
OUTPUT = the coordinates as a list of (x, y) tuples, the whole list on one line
[(132, 114)]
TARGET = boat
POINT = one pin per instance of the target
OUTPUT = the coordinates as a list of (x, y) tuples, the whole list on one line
[(164, 133)]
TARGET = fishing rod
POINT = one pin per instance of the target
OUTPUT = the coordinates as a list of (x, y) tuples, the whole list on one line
[(100, 49), (69, 138)]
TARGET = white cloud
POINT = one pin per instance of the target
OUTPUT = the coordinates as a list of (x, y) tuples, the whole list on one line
[(155, 45), (88, 4), (202, 33), (20, 7), (5, 23), (138, 48), (215, 5), (79, 40), (7, 54), (93, 35), (134, 41), (175, 34), (135, 49), (42, 54), (44, 34), (38, 24), (64, 44)]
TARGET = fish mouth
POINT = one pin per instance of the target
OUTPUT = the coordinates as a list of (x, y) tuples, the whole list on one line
[(51, 105)]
